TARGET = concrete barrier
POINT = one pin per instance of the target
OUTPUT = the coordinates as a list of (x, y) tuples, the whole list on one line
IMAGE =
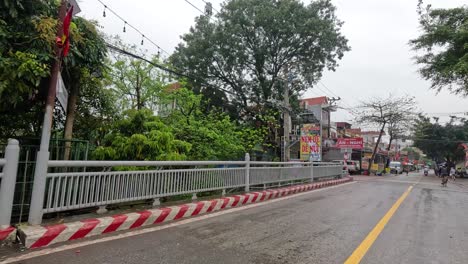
[(40, 236), (7, 234)]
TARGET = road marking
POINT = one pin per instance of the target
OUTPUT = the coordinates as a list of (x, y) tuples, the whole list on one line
[(362, 249), (136, 232)]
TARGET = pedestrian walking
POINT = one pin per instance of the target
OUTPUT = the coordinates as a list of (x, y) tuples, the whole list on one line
[(452, 173), (444, 175)]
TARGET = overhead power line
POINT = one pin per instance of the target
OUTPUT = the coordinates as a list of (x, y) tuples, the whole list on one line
[(164, 68), (208, 9), (209, 3), (126, 23), (334, 94), (321, 90), (194, 6), (343, 100)]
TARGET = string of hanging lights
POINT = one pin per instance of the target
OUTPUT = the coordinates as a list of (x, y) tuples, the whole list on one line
[(127, 24)]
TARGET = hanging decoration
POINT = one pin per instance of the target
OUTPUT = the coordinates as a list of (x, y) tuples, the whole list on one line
[(124, 29)]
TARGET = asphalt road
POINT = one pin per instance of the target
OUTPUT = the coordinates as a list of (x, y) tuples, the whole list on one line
[(430, 226)]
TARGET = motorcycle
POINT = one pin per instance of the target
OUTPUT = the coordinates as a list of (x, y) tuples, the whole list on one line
[(461, 173), (426, 173)]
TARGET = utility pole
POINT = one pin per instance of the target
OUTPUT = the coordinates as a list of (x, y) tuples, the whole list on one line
[(37, 198), (286, 116), (332, 101)]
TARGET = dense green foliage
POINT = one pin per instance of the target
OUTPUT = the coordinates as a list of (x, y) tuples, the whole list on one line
[(444, 42), (441, 141), (246, 50), (83, 74), (236, 66), (136, 83), (185, 133), (413, 154), (27, 39), (141, 136)]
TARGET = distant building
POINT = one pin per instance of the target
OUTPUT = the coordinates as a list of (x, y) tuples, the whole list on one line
[(341, 128), (165, 108), (321, 109), (345, 130)]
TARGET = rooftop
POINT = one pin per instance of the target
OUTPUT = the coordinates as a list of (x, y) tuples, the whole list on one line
[(315, 100)]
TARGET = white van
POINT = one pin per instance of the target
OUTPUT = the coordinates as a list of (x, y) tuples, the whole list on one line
[(396, 167), (352, 165)]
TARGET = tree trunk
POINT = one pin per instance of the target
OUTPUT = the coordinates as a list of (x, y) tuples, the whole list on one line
[(387, 163), (375, 148), (70, 119), (390, 143), (138, 93)]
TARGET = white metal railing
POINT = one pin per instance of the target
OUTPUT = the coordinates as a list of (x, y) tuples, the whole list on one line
[(107, 182), (67, 191), (9, 169), (2, 164)]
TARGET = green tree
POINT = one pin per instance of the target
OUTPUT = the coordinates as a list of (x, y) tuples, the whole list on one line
[(213, 136), (444, 43), (27, 40), (27, 35), (246, 50), (141, 136), (136, 83), (440, 141), (82, 73), (412, 153)]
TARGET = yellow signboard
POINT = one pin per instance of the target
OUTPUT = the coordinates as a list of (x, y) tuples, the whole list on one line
[(311, 141)]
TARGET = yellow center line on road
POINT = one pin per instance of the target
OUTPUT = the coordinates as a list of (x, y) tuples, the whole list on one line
[(365, 245)]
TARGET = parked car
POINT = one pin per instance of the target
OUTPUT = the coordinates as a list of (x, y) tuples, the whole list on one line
[(396, 167), (353, 166)]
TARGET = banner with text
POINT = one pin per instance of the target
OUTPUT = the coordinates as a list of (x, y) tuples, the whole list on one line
[(311, 141), (350, 143)]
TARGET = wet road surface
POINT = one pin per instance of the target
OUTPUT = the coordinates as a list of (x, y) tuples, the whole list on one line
[(430, 226)]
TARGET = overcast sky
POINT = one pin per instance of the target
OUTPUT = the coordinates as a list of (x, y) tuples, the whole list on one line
[(378, 31)]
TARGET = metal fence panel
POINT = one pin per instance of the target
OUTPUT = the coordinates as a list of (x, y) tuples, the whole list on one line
[(26, 167), (327, 171), (263, 175), (74, 190)]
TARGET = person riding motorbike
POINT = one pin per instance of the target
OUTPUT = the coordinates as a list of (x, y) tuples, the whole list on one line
[(426, 171)]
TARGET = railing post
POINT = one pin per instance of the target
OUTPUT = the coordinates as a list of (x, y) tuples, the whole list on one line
[(311, 171), (39, 184), (7, 188), (247, 172)]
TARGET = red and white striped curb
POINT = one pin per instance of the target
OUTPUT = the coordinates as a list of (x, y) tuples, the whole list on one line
[(7, 233), (40, 236)]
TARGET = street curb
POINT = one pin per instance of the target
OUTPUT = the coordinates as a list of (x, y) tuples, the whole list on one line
[(7, 234), (41, 236)]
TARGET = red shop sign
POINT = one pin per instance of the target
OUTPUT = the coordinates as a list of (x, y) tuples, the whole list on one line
[(352, 143)]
